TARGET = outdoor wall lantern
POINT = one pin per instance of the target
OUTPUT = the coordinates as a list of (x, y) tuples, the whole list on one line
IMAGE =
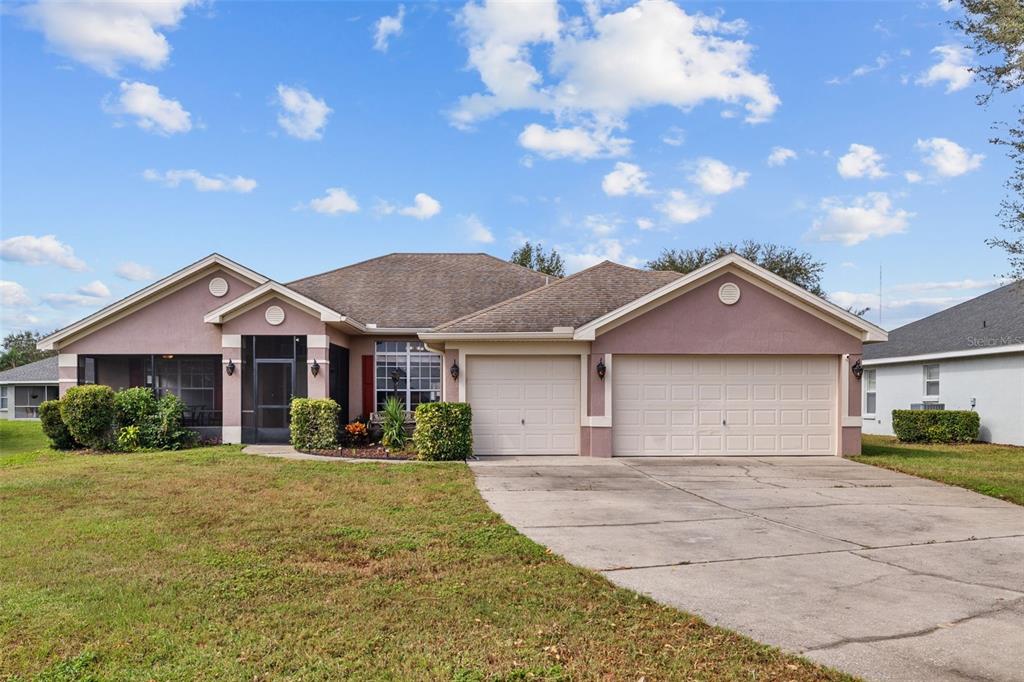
[(314, 368), (601, 369), (857, 369), (454, 371), (230, 367)]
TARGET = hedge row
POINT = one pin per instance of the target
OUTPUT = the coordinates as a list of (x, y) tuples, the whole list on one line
[(314, 423), (444, 431), (935, 426)]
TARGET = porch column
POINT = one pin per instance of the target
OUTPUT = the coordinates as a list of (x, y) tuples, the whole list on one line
[(450, 385), (231, 389), (849, 406), (67, 372), (318, 386), (596, 431)]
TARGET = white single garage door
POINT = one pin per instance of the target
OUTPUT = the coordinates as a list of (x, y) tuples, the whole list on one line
[(724, 405), (524, 405)]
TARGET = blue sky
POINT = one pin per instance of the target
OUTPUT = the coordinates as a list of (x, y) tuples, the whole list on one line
[(299, 137)]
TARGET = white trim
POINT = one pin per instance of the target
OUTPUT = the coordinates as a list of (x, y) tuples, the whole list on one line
[(844, 386), (604, 420), (316, 341), (499, 336), (230, 340), (67, 360), (853, 421), (36, 382), (231, 434), (163, 286), (67, 381), (973, 352), (835, 314), (267, 290)]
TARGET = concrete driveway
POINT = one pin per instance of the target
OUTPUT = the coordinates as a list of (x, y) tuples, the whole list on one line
[(880, 574)]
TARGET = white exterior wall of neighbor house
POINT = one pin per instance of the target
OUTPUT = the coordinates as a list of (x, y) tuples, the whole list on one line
[(996, 382)]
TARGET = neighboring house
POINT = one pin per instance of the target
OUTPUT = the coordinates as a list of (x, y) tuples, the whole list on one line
[(968, 357), (24, 388), (729, 359)]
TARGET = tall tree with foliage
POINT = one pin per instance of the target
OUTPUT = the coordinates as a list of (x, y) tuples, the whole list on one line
[(534, 257), (20, 349), (799, 267), (996, 31)]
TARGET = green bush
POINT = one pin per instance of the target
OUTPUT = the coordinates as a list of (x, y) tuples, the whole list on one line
[(134, 407), (935, 426), (392, 424), (314, 423), (128, 438), (54, 427), (169, 432), (444, 431), (88, 412)]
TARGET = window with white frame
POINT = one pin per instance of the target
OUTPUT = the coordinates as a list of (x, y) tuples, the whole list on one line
[(418, 372), (931, 382), (870, 392), (3, 397)]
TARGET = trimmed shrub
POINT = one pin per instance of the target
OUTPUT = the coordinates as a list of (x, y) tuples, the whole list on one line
[(936, 426), (444, 431), (169, 432), (54, 427), (88, 412), (134, 407), (314, 424)]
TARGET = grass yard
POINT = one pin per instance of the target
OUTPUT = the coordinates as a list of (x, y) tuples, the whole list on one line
[(18, 437), (216, 565), (995, 470)]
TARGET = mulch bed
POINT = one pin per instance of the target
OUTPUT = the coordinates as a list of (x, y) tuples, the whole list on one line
[(365, 452)]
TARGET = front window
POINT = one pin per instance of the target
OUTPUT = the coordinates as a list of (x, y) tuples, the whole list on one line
[(3, 397), (870, 394), (417, 370), (931, 382), (27, 400)]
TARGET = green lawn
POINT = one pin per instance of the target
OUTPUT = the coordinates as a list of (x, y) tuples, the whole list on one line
[(17, 437), (210, 564), (996, 470)]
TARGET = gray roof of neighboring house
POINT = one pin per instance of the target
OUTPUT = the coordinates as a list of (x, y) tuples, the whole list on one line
[(43, 371), (419, 290), (992, 319), (569, 302)]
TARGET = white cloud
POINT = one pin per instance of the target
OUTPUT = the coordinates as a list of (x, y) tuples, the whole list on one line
[(674, 58), (946, 5), (604, 249), (478, 232), (106, 35), (203, 183), (881, 61), (93, 293), (715, 177), (13, 295), (386, 28), (861, 161), (335, 201), (45, 250), (780, 155), (134, 272), (681, 208), (871, 215), (152, 111), (912, 177), (850, 299), (424, 206), (953, 68), (95, 288), (966, 284), (644, 223), (601, 225), (302, 115), (577, 143), (626, 179), (947, 158), (675, 137)]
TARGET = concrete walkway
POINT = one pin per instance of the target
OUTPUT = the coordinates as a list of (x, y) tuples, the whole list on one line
[(880, 574)]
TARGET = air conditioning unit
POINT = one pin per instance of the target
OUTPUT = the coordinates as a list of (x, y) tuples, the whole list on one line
[(928, 406)]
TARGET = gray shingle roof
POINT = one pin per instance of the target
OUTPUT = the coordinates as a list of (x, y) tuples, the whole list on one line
[(992, 319), (44, 371), (419, 290), (569, 302)]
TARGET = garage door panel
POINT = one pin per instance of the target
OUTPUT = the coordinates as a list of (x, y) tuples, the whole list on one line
[(770, 405), (524, 404)]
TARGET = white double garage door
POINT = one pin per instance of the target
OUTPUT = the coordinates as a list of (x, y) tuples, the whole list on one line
[(661, 405)]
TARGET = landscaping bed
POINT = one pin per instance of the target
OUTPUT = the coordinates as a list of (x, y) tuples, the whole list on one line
[(374, 451)]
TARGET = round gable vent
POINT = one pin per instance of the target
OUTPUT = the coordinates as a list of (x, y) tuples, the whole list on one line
[(218, 286), (274, 315), (728, 293)]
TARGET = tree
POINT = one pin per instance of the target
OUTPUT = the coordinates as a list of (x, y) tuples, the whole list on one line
[(20, 349), (533, 256), (799, 267), (996, 30)]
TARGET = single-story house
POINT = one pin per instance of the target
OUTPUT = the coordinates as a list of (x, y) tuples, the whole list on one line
[(24, 388), (728, 359), (968, 357)]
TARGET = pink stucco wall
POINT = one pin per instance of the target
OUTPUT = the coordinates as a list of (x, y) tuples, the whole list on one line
[(697, 322), (173, 324), (855, 387), (595, 387), (451, 386), (253, 321), (595, 441), (851, 440)]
